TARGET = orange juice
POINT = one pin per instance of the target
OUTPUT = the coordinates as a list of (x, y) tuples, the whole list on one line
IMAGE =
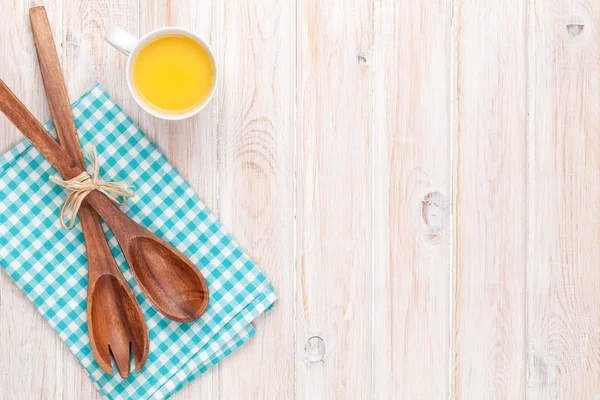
[(173, 74)]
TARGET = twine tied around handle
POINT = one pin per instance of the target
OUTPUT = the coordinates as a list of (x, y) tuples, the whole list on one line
[(84, 183)]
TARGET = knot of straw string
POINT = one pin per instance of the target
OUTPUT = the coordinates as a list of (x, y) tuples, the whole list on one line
[(84, 183)]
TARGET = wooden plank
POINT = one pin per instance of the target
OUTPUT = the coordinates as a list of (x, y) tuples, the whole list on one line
[(490, 199), (256, 196), (334, 176), (413, 194), (27, 342), (87, 60), (190, 145), (563, 279)]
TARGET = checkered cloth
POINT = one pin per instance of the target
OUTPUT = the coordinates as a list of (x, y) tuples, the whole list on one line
[(49, 263)]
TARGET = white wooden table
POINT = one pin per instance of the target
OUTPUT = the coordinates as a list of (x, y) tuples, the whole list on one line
[(419, 179)]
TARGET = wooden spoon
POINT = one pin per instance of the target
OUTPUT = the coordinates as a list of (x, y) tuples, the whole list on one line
[(115, 319), (170, 281)]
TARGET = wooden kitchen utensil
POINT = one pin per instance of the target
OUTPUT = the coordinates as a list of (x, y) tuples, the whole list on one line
[(170, 281), (115, 319)]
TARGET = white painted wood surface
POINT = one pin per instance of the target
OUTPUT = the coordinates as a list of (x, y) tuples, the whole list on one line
[(490, 114), (419, 179), (334, 213), (412, 200), (563, 277)]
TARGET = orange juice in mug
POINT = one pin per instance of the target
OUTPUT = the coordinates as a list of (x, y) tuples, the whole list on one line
[(170, 72)]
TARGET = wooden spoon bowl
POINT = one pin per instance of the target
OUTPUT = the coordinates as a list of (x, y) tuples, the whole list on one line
[(188, 292), (115, 325), (170, 281)]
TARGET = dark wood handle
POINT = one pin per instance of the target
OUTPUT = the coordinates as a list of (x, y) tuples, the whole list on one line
[(56, 89), (99, 256), (29, 126)]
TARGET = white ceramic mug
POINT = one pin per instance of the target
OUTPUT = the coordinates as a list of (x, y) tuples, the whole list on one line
[(131, 46)]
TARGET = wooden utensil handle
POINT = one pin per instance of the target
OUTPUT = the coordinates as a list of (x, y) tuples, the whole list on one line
[(100, 259), (56, 90), (29, 126)]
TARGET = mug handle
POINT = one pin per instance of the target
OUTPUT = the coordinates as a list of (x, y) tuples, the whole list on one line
[(121, 40)]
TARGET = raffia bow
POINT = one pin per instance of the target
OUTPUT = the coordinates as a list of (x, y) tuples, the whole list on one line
[(84, 183)]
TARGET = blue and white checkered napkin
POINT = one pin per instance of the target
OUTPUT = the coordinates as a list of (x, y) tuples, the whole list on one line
[(49, 263)]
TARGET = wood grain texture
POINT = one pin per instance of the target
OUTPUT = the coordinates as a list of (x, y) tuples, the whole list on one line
[(191, 146), (413, 195), (108, 291), (86, 60), (174, 286), (17, 113), (25, 338), (256, 187), (426, 238), (563, 279), (490, 199), (54, 83), (334, 177)]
